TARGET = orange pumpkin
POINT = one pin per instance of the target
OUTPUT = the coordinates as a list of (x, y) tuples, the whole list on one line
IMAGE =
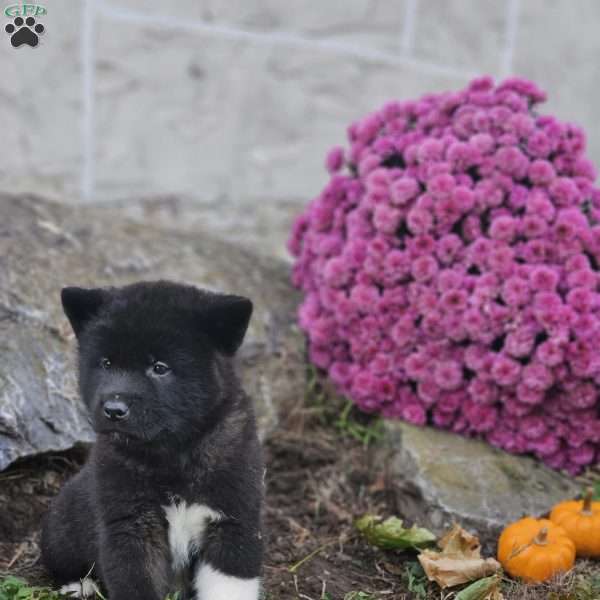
[(535, 549), (581, 520)]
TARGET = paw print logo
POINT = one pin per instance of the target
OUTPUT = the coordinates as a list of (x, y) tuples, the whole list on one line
[(24, 32)]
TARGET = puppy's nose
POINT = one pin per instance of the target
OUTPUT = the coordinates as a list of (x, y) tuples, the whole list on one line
[(115, 409)]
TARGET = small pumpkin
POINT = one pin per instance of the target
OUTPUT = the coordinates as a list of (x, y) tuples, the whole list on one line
[(535, 549), (581, 520)]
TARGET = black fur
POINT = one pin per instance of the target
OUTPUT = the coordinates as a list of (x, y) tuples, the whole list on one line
[(189, 436)]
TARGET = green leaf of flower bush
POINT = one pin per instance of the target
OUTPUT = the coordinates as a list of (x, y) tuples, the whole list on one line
[(391, 533)]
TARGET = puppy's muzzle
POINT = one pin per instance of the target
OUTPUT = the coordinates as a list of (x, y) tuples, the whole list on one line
[(115, 409)]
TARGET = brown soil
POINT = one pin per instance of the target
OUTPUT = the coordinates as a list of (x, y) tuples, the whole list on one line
[(317, 485), (26, 490)]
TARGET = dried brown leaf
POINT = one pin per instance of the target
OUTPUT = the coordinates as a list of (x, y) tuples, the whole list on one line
[(461, 542), (459, 560), (394, 569)]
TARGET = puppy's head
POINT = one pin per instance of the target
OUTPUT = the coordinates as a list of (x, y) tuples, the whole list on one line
[(153, 356)]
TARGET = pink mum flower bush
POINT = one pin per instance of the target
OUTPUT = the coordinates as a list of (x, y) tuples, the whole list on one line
[(450, 271)]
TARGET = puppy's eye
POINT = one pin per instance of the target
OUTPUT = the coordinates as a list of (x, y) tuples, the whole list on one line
[(160, 368), (105, 363)]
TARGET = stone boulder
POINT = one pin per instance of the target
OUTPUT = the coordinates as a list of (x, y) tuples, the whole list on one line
[(45, 246), (439, 478)]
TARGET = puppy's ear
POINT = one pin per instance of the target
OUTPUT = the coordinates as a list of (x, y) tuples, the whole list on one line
[(81, 305), (225, 320)]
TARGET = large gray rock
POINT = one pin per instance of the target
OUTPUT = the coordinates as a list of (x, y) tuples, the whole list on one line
[(45, 246), (440, 478), (264, 231)]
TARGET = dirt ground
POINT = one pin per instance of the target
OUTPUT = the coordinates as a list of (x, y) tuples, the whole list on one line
[(319, 479)]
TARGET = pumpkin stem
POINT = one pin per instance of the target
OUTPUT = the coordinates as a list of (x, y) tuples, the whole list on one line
[(587, 502), (541, 539)]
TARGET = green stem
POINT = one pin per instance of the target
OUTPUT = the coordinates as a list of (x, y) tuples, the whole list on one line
[(587, 502), (296, 566)]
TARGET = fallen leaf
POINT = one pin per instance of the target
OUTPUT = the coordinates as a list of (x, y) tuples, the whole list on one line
[(391, 533), (394, 569), (447, 571), (379, 485), (459, 541), (484, 589), (459, 560)]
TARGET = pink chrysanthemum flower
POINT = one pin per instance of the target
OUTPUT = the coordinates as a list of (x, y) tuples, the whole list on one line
[(450, 271)]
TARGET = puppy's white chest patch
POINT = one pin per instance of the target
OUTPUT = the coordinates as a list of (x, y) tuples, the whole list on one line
[(187, 526)]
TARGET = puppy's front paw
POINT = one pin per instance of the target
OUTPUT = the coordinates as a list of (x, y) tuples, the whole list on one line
[(86, 588), (211, 584)]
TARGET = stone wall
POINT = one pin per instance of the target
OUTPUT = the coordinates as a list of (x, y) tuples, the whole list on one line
[(230, 105)]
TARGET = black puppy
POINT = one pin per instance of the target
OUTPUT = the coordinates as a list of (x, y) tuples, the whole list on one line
[(170, 498)]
